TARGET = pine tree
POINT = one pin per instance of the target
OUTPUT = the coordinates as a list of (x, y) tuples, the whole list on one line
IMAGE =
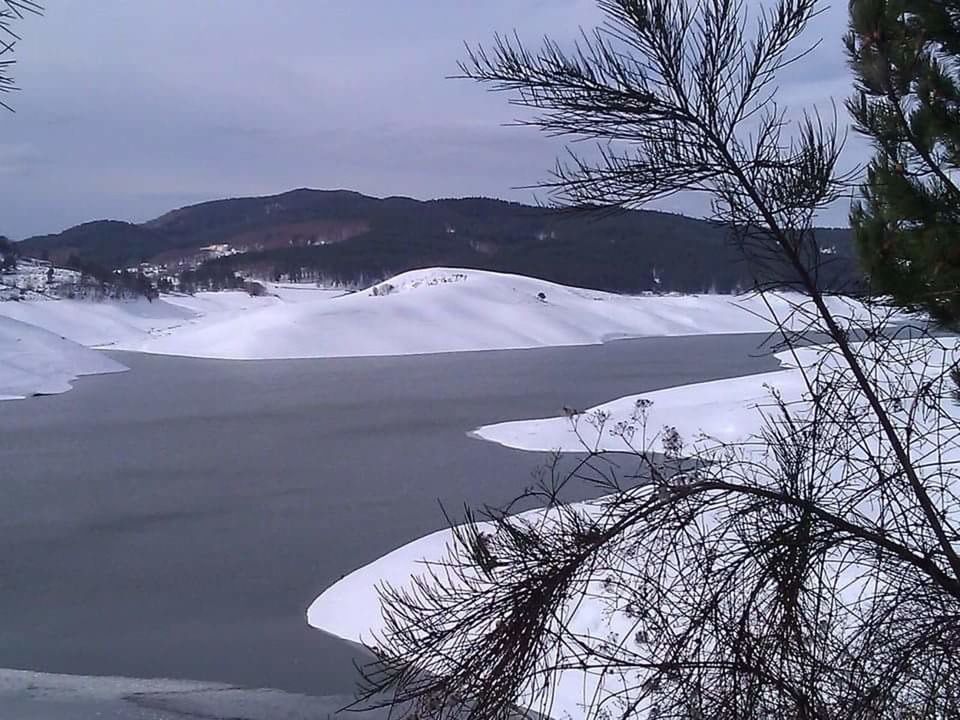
[(906, 58)]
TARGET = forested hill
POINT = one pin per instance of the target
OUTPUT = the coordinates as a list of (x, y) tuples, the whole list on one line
[(346, 236)]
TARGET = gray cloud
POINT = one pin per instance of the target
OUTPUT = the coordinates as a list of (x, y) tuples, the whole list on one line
[(131, 108)]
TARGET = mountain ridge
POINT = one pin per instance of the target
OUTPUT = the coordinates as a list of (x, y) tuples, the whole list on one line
[(346, 236)]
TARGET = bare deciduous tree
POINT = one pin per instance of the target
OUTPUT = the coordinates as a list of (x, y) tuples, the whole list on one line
[(811, 571)]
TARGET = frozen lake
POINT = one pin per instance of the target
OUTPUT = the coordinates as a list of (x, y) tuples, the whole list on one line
[(175, 521)]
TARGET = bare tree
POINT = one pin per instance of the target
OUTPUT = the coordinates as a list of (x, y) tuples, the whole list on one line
[(10, 12), (811, 571)]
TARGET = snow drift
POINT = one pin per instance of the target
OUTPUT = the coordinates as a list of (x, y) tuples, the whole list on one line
[(422, 311), (34, 361), (451, 310)]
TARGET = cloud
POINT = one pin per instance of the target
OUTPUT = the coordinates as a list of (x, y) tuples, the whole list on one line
[(131, 108)]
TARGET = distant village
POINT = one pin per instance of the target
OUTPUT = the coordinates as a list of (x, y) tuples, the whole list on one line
[(28, 278)]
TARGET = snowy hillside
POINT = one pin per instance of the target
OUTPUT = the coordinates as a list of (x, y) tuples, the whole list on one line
[(448, 310), (422, 311), (98, 323), (32, 279), (37, 362)]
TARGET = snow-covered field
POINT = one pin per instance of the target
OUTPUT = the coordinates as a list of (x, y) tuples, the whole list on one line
[(728, 411), (98, 323), (449, 310), (422, 311), (722, 411), (34, 361)]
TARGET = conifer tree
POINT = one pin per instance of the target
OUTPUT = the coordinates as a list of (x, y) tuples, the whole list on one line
[(906, 58)]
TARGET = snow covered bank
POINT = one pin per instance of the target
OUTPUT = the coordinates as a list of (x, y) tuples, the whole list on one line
[(450, 310), (122, 323), (727, 411), (34, 361), (422, 311), (98, 323), (729, 408), (42, 338), (350, 609)]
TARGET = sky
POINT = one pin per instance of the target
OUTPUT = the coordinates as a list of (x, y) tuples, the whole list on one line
[(129, 108)]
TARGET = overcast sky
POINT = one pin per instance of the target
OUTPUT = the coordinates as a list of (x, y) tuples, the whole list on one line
[(129, 108)]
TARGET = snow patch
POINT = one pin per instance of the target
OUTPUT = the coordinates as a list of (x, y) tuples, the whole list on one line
[(726, 411), (34, 361)]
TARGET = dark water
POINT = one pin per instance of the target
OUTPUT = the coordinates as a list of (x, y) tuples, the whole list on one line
[(176, 520)]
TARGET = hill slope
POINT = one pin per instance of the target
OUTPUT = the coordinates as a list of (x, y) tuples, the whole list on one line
[(34, 361), (349, 237), (450, 310)]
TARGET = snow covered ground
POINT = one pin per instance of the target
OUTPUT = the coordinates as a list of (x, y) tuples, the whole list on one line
[(450, 310), (98, 323), (728, 410), (350, 609), (46, 342), (724, 411), (422, 311), (34, 361)]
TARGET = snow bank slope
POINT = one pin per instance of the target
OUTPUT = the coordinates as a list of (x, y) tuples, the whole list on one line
[(112, 323), (41, 339), (98, 323), (727, 411), (350, 609), (449, 310), (34, 361)]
